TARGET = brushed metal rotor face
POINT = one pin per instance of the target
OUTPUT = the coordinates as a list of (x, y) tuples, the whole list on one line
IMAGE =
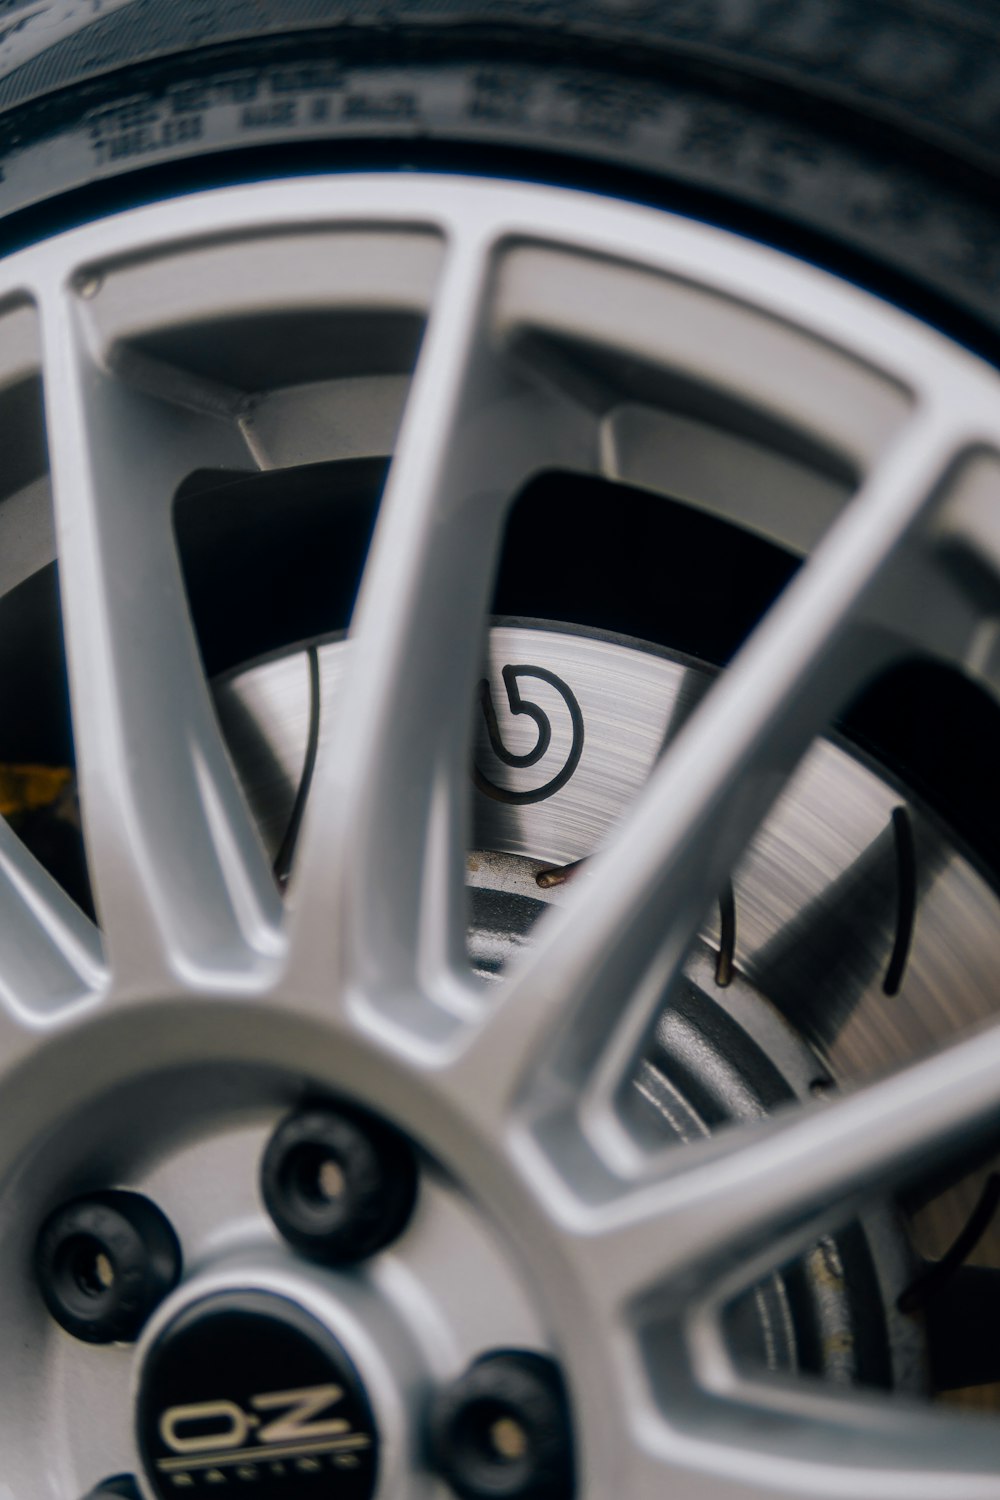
[(817, 896), (872, 958)]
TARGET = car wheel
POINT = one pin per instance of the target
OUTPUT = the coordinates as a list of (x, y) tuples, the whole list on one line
[(499, 598)]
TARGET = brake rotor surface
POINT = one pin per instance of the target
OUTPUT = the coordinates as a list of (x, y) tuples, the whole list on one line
[(856, 936)]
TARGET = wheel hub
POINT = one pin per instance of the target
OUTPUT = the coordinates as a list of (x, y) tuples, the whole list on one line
[(245, 1386)]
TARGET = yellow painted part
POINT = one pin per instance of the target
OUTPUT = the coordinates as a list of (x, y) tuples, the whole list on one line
[(26, 788)]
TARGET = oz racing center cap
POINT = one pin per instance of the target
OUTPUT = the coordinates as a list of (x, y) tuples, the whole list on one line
[(246, 1386)]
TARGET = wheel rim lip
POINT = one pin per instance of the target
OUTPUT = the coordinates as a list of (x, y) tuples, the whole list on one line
[(887, 348), (791, 290)]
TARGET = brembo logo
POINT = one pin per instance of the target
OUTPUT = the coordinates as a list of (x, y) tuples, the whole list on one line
[(280, 1425)]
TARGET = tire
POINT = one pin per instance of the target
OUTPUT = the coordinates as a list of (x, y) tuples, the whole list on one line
[(863, 136)]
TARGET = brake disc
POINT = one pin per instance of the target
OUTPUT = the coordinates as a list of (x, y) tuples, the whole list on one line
[(855, 935)]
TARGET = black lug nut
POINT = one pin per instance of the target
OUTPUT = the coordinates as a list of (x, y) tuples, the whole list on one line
[(502, 1430), (338, 1183), (104, 1263), (121, 1487)]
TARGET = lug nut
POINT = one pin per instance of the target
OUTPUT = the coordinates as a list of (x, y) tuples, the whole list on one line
[(338, 1184), (104, 1263), (121, 1487), (502, 1431)]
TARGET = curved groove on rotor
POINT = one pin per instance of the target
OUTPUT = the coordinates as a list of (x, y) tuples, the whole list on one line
[(906, 871), (939, 1272), (727, 936)]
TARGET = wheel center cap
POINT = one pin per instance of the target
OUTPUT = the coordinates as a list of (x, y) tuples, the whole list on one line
[(246, 1386)]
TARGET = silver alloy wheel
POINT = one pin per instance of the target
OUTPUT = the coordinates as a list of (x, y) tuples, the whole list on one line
[(539, 302)]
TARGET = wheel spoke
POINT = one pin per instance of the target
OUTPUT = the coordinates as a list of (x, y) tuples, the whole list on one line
[(181, 882), (593, 983), (729, 1215), (385, 839), (52, 951)]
